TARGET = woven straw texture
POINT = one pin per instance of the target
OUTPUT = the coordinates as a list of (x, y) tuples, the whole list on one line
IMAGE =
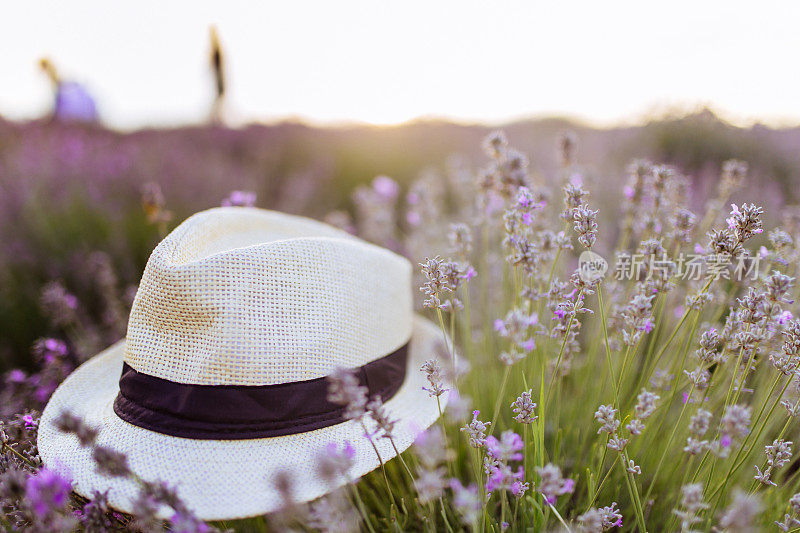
[(259, 298), (244, 296)]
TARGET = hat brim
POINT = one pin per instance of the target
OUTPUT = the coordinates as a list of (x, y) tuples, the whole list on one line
[(220, 479)]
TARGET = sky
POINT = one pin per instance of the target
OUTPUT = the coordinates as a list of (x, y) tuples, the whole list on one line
[(380, 62)]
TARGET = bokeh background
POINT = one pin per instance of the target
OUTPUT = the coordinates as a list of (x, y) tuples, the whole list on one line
[(142, 114)]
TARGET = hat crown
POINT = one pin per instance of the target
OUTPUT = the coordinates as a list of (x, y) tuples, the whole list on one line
[(243, 296)]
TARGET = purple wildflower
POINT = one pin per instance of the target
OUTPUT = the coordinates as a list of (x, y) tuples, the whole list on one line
[(334, 461), (385, 187), (16, 376), (476, 430), (469, 273), (344, 389), (629, 192), (240, 199), (184, 522), (433, 372), (500, 476), (466, 500), (47, 491), (552, 484), (507, 448)]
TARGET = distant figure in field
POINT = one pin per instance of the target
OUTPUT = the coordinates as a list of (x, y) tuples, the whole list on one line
[(72, 102), (218, 70)]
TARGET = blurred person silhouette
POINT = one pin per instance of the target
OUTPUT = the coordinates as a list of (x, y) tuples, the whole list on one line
[(218, 71), (72, 102)]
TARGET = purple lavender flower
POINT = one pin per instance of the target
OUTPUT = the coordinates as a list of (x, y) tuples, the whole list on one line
[(505, 449), (384, 422), (735, 421), (524, 408), (55, 347), (344, 389), (47, 492), (501, 476), (385, 187), (433, 372), (460, 239), (785, 317), (69, 423), (745, 221), (443, 278), (585, 225), (476, 430), (183, 522), (430, 447), (111, 462), (606, 415), (741, 514), (470, 273), (466, 500), (29, 421), (432, 452), (16, 376), (552, 484), (240, 199), (778, 454), (610, 516), (58, 304), (335, 461)]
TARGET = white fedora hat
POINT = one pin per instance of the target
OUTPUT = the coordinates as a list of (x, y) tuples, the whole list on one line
[(221, 381)]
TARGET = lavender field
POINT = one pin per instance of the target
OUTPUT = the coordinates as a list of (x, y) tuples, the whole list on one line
[(69, 191), (640, 403)]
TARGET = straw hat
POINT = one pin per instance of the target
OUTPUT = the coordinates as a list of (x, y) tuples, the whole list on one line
[(221, 381)]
